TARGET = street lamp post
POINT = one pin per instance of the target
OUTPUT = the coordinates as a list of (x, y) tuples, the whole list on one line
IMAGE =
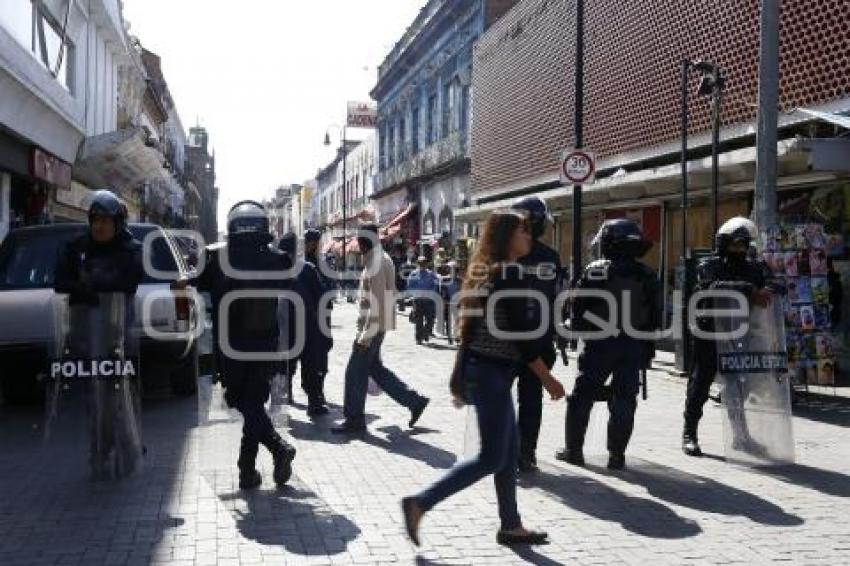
[(344, 192)]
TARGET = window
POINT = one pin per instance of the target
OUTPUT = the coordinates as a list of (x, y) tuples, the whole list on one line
[(414, 131), (391, 146), (402, 139), (432, 119), (428, 223), (39, 32), (448, 105), (464, 108)]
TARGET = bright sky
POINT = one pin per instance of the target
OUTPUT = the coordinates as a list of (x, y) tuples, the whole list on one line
[(267, 77)]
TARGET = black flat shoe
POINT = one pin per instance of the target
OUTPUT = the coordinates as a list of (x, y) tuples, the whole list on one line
[(512, 539), (250, 479), (574, 457), (407, 507)]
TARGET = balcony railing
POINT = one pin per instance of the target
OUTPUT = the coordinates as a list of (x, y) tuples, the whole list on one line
[(448, 150)]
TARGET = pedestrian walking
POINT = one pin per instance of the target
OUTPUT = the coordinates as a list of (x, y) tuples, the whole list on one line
[(317, 344), (450, 285), (376, 299), (728, 268), (425, 285), (484, 375), (543, 268), (631, 286), (253, 326)]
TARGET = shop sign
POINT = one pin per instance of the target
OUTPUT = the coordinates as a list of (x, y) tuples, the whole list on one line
[(362, 115), (50, 169)]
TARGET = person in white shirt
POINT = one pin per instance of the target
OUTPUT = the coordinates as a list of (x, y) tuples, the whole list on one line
[(376, 298)]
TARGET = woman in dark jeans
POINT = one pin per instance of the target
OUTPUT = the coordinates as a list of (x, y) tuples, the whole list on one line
[(489, 368)]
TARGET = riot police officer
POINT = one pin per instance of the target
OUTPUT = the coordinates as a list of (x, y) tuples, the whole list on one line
[(636, 293), (105, 259), (317, 344), (253, 326), (729, 268), (543, 266)]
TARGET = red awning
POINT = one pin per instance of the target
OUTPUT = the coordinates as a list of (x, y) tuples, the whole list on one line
[(393, 227)]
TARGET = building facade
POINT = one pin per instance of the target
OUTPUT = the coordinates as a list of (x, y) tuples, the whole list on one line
[(200, 171), (59, 68), (424, 114)]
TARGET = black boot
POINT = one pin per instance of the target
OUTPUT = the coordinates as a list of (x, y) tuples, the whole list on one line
[(690, 444), (616, 461), (283, 455), (249, 477), (578, 415), (527, 462)]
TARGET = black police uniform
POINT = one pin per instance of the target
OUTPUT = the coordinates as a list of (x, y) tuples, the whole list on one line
[(543, 266), (252, 327), (621, 357), (85, 268), (715, 272)]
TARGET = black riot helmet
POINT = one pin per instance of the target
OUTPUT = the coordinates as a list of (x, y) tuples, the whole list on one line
[(538, 214), (621, 238), (107, 203), (738, 229), (288, 243), (248, 218)]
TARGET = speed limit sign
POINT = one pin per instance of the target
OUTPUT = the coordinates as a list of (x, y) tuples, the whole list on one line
[(578, 167)]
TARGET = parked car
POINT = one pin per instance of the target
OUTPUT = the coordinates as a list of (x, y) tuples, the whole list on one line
[(27, 264)]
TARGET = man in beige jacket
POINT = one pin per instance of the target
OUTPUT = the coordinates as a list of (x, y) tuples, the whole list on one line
[(376, 297)]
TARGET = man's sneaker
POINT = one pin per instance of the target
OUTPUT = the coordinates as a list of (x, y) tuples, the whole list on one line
[(283, 465), (250, 479), (616, 461), (347, 427), (690, 445), (417, 412), (574, 457)]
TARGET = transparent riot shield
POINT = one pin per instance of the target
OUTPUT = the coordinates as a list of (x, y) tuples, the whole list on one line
[(93, 385), (756, 396)]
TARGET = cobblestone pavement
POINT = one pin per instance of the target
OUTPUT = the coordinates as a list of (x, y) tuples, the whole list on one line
[(343, 503)]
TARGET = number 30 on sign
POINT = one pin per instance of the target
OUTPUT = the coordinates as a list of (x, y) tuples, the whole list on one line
[(578, 167)]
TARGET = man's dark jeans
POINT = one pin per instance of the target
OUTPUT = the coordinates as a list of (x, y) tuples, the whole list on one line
[(363, 364)]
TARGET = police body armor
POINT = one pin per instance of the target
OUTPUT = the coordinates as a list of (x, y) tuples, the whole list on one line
[(93, 384), (627, 281)]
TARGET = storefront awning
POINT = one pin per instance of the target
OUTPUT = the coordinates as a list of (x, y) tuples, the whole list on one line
[(801, 162)]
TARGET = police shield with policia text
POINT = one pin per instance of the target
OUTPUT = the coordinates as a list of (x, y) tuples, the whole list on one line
[(634, 292), (94, 365)]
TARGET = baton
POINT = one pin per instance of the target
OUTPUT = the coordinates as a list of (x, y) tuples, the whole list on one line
[(643, 384)]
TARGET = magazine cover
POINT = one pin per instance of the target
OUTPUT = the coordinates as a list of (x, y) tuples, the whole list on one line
[(804, 289), (816, 236), (772, 239), (807, 322), (792, 317), (792, 343), (786, 237), (801, 241), (824, 346), (826, 372), (835, 245), (791, 264), (820, 290), (817, 262), (822, 318)]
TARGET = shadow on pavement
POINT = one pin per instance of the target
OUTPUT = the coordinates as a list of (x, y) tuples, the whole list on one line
[(318, 429), (824, 481), (403, 443), (530, 555), (823, 409), (638, 515), (701, 493), (51, 510), (294, 518)]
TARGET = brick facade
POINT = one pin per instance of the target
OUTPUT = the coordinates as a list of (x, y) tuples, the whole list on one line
[(523, 75)]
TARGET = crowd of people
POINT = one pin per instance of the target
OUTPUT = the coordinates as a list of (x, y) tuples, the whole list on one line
[(512, 276)]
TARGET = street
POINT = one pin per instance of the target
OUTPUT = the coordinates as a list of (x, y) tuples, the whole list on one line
[(342, 506)]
